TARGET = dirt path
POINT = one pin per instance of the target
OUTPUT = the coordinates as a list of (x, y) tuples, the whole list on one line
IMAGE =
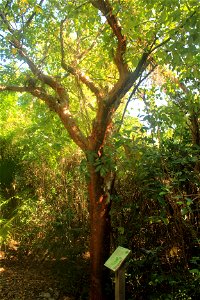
[(26, 280)]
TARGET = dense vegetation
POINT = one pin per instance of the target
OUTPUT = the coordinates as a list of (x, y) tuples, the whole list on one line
[(144, 171)]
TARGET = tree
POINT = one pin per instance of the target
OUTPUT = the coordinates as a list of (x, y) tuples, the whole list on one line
[(78, 58)]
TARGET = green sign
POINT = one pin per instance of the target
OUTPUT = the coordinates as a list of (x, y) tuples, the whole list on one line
[(117, 258)]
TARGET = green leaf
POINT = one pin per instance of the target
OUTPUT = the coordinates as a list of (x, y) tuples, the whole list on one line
[(195, 271), (121, 230)]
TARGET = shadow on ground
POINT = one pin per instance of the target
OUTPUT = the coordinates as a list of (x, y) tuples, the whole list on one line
[(27, 279)]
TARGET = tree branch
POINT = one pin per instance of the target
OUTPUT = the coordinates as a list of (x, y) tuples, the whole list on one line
[(81, 55), (175, 32), (161, 44), (122, 87), (86, 80), (5, 21), (62, 110), (51, 101), (14, 88), (75, 71), (110, 103), (59, 104), (46, 79), (132, 93), (105, 7), (28, 22)]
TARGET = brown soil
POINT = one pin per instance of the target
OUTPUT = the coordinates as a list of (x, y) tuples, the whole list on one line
[(29, 280)]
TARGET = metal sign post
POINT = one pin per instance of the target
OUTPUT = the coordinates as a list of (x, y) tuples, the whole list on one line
[(116, 263)]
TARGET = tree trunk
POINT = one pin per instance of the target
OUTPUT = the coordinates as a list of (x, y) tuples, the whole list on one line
[(194, 119), (100, 227), (195, 130)]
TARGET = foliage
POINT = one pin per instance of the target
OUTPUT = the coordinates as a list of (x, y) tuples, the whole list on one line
[(81, 59), (39, 203), (158, 184)]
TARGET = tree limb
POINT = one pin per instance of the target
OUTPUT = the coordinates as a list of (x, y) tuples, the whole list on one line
[(50, 81), (123, 86), (51, 101), (86, 80), (14, 88), (175, 32), (28, 22), (132, 93), (81, 55), (75, 71), (62, 110), (5, 21), (59, 104), (105, 7), (46, 79)]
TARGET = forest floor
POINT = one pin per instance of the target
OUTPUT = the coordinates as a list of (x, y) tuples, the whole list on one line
[(25, 279)]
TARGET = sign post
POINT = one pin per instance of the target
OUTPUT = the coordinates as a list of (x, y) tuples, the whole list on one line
[(116, 263)]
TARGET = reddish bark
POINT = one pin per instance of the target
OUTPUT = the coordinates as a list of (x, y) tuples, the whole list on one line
[(195, 132), (99, 235), (107, 103)]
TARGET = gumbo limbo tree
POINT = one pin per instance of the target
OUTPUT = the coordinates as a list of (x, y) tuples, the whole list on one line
[(82, 58)]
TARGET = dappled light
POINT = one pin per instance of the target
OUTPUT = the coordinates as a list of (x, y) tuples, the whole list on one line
[(99, 149), (2, 270)]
